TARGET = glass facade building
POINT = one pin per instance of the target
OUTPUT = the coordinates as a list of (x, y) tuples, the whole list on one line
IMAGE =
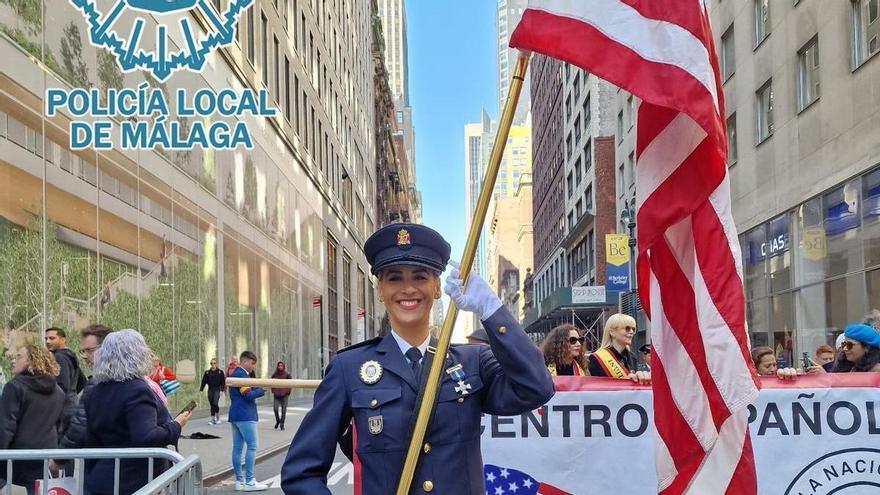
[(207, 253), (814, 269)]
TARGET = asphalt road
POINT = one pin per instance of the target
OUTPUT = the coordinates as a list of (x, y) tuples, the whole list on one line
[(340, 479)]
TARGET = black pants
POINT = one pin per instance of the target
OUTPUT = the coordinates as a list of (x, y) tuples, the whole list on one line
[(280, 402), (214, 400)]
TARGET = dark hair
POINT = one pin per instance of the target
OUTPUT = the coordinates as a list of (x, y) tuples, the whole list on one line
[(556, 347), (96, 330), (865, 363), (58, 331), (248, 355), (759, 352)]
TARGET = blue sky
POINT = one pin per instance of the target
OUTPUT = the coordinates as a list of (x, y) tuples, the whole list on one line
[(452, 76)]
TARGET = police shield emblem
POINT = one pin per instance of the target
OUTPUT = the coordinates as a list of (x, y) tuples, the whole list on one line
[(403, 240), (376, 424), (371, 372)]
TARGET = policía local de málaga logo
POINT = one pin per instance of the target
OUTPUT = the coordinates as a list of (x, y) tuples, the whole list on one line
[(127, 44), (159, 37)]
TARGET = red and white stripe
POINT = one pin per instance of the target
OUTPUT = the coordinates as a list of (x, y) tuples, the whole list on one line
[(689, 268)]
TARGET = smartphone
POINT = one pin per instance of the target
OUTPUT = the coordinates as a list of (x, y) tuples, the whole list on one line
[(807, 362), (189, 407)]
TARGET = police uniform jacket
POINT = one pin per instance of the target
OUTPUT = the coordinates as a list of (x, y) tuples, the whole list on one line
[(508, 379)]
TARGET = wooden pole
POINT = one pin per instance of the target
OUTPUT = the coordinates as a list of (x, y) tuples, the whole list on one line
[(272, 383)]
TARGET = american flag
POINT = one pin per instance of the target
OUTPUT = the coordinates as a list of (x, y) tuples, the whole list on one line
[(505, 481), (689, 266)]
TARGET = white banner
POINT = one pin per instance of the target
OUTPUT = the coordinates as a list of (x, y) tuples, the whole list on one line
[(818, 435)]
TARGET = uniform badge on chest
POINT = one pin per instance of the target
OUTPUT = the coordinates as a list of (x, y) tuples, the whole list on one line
[(456, 374), (376, 424), (371, 372)]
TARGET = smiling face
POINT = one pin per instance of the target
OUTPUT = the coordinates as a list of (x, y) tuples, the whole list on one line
[(408, 293), (853, 349)]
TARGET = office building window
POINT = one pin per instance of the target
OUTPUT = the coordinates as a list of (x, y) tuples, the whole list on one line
[(762, 20), (728, 54), (731, 139), (332, 298), (276, 67), (287, 88), (620, 126), (251, 46), (808, 74), (346, 297), (764, 112), (264, 47), (866, 30)]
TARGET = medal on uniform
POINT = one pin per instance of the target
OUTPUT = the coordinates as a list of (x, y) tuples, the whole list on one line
[(370, 372), (456, 374), (376, 424)]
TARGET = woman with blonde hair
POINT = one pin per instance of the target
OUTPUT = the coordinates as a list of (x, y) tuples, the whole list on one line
[(563, 350), (615, 358), (30, 410)]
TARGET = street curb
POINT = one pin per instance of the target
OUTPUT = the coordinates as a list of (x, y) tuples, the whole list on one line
[(218, 476)]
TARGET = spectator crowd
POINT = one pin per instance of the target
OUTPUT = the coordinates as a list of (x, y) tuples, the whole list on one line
[(50, 401)]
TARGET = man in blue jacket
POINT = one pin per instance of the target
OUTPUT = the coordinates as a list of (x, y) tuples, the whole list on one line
[(372, 388), (243, 420)]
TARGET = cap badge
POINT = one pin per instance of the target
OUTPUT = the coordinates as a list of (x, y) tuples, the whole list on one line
[(403, 240), (371, 372)]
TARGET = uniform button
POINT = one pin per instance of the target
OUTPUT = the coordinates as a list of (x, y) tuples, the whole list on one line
[(427, 448), (374, 403), (427, 486), (460, 400), (502, 329)]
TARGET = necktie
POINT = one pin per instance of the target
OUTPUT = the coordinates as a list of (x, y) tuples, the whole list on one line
[(415, 360)]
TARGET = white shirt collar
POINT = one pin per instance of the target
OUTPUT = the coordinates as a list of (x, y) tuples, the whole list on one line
[(405, 346)]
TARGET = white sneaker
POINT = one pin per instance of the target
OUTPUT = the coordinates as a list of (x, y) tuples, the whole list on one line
[(239, 486), (254, 486), (218, 421)]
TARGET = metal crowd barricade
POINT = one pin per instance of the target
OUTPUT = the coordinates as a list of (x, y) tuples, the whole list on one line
[(184, 477)]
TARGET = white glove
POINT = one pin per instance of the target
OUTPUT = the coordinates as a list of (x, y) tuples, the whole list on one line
[(477, 298)]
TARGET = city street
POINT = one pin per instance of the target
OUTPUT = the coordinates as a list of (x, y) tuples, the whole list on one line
[(340, 479)]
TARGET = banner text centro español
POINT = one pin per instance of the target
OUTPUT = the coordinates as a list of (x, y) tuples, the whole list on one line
[(146, 121)]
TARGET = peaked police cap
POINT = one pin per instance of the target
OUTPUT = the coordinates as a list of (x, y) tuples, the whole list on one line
[(407, 244)]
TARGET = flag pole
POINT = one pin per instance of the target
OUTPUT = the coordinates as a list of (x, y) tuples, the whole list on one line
[(433, 382)]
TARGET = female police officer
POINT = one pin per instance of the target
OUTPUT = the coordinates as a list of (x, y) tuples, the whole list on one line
[(374, 385)]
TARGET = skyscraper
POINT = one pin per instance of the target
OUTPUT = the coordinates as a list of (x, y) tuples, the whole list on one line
[(392, 13), (509, 13)]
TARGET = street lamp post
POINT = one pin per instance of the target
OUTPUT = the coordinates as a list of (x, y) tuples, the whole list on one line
[(628, 217)]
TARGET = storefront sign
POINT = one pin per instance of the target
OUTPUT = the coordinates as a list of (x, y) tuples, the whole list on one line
[(617, 262), (592, 294), (816, 435)]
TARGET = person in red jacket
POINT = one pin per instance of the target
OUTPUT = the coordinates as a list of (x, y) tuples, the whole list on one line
[(281, 395), (160, 371)]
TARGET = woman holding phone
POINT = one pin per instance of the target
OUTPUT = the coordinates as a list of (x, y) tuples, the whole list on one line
[(124, 412)]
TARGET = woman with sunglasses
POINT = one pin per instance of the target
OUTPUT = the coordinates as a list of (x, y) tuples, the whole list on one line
[(563, 350), (615, 359), (861, 350)]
